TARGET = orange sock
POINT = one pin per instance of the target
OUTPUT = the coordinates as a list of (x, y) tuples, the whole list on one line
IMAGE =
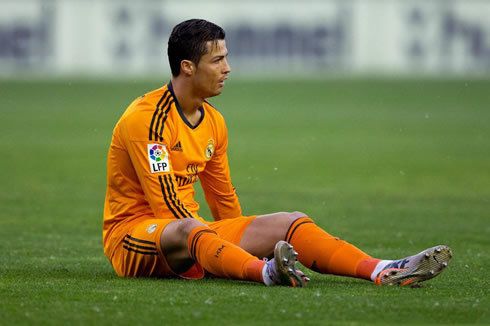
[(222, 258), (326, 254)]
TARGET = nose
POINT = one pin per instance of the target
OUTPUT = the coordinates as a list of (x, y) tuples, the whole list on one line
[(227, 68)]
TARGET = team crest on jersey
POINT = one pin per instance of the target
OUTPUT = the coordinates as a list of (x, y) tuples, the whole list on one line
[(151, 228), (158, 158), (209, 149)]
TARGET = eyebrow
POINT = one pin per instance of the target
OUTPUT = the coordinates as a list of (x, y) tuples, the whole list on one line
[(220, 56)]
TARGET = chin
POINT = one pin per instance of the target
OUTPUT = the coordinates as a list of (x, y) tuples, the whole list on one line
[(215, 93)]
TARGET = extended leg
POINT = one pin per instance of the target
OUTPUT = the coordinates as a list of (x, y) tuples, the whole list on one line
[(317, 249), (327, 254), (324, 253)]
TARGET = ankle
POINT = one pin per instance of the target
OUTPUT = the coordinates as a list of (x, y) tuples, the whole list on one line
[(366, 268), (256, 270)]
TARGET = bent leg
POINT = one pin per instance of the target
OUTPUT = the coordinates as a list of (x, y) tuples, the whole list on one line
[(187, 241), (173, 241), (139, 254)]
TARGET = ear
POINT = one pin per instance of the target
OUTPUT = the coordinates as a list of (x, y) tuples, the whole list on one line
[(187, 67)]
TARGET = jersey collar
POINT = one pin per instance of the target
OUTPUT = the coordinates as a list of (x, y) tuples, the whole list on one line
[(181, 113)]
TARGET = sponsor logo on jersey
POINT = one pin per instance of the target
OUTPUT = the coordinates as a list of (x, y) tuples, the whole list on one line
[(209, 149), (177, 147), (151, 228), (191, 177), (158, 158)]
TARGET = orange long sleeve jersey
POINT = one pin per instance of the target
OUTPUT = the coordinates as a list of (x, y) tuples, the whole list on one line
[(154, 159)]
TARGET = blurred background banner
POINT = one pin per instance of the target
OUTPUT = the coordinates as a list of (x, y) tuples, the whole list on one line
[(50, 38)]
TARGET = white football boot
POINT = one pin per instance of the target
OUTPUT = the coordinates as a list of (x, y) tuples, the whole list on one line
[(281, 270), (415, 269)]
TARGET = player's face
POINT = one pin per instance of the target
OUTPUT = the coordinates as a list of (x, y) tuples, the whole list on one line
[(212, 71)]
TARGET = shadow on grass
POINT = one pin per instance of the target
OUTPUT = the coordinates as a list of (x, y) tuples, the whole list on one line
[(97, 273)]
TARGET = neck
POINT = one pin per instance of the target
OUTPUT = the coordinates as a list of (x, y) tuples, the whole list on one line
[(189, 101)]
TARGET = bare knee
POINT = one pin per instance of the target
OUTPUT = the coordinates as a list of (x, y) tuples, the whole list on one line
[(289, 217), (174, 236), (173, 242), (262, 234), (185, 226), (296, 215)]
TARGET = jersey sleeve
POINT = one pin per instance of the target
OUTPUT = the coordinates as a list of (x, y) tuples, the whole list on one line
[(153, 166), (216, 182)]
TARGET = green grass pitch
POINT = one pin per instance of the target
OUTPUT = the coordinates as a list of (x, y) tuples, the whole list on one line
[(392, 166)]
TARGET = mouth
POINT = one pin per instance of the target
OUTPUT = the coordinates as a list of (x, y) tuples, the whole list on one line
[(222, 82)]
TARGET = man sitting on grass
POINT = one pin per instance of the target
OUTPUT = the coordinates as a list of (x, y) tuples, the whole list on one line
[(171, 137)]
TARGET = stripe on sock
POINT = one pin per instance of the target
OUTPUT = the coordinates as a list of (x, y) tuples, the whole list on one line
[(294, 226), (195, 239)]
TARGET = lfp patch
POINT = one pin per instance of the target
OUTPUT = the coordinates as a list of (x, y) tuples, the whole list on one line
[(158, 158)]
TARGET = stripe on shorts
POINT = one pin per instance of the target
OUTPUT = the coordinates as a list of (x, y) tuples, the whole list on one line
[(134, 245)]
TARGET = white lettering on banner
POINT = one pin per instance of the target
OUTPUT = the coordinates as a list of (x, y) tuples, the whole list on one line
[(26, 35), (398, 36)]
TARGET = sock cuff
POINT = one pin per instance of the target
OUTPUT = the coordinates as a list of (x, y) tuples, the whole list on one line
[(255, 271), (194, 236), (366, 267), (295, 225)]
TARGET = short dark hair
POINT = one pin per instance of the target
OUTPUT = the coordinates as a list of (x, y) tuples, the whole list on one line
[(188, 42)]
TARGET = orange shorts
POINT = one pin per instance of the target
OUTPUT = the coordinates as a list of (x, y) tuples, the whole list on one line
[(139, 253)]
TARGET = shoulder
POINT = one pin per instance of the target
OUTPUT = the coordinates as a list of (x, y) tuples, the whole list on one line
[(142, 115), (213, 113), (147, 103)]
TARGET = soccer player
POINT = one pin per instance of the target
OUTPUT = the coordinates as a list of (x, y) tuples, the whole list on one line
[(170, 138)]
